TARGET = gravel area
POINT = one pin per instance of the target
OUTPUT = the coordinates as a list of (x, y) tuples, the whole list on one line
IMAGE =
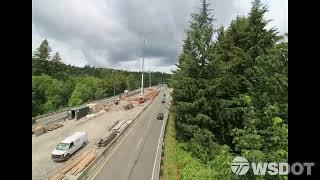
[(42, 146)]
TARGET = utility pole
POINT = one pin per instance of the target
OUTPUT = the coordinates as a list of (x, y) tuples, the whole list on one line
[(149, 73), (114, 90), (144, 41)]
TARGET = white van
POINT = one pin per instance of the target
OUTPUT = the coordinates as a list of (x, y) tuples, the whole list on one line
[(69, 145)]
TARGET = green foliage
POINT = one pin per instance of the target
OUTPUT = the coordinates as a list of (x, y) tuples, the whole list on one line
[(193, 168), (56, 85), (231, 92), (170, 156), (46, 93), (87, 89), (56, 58), (43, 52)]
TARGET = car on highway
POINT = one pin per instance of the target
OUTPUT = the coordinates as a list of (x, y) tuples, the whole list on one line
[(160, 116), (68, 146)]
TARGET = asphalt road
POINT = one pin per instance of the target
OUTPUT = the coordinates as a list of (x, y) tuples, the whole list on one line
[(135, 156)]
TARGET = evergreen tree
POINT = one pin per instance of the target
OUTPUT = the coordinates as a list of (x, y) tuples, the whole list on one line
[(40, 59), (259, 38), (56, 58), (191, 101), (42, 53), (232, 92)]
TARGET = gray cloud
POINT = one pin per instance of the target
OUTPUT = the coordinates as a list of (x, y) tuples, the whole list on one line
[(110, 32)]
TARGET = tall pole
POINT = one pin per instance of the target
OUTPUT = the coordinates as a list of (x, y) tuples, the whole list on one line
[(142, 67), (114, 90), (149, 73)]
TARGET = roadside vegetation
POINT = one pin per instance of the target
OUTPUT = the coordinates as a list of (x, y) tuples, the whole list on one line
[(230, 97), (170, 157)]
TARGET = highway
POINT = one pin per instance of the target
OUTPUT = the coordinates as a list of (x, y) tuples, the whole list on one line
[(137, 154)]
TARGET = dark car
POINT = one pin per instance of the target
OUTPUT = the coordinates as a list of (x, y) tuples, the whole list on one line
[(160, 116), (163, 101)]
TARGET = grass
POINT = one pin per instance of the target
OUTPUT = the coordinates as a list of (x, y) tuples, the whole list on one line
[(170, 156), (177, 163)]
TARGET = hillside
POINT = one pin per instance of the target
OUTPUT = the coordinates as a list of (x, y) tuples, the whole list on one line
[(56, 85)]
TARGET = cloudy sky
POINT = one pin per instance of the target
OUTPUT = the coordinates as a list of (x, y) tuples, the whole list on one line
[(111, 33)]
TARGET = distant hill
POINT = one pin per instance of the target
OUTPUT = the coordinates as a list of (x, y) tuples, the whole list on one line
[(56, 85)]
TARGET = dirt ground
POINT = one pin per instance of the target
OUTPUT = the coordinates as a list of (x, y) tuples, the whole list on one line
[(42, 146)]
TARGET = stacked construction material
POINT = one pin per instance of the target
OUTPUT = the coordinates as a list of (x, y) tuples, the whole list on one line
[(40, 130), (123, 126), (113, 125), (53, 126), (152, 94), (128, 106), (77, 165), (106, 139), (93, 108), (117, 127), (109, 106)]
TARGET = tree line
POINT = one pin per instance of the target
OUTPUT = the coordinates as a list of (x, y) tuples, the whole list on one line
[(230, 90), (56, 85)]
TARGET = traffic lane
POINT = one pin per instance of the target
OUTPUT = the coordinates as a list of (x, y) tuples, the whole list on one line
[(146, 159), (121, 162), (119, 165)]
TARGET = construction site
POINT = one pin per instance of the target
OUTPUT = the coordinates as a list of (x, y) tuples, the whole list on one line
[(103, 122)]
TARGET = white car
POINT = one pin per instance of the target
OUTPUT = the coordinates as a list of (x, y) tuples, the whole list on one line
[(69, 145)]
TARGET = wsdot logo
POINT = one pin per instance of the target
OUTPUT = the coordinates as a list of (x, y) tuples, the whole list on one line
[(240, 165)]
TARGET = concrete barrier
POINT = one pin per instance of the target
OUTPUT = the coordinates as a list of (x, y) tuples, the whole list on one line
[(161, 149)]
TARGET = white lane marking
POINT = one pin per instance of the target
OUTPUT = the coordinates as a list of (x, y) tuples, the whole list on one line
[(138, 143), (155, 159), (148, 124), (117, 146), (124, 138)]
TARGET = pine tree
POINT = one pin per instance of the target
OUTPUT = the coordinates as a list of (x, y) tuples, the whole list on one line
[(56, 58), (42, 53), (40, 59), (189, 82), (259, 38)]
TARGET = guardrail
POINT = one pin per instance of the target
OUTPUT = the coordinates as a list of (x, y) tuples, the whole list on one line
[(158, 170)]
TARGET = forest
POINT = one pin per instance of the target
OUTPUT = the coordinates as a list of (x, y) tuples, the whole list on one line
[(230, 95), (56, 85)]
